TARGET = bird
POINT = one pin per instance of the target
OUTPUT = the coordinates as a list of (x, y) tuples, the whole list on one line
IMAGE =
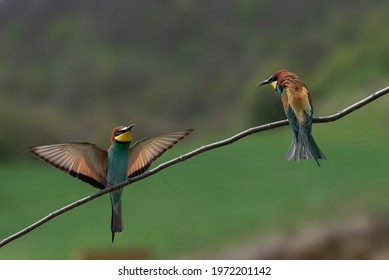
[(106, 168), (297, 103)]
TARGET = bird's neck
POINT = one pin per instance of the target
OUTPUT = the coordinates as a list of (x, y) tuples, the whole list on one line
[(279, 88), (117, 163), (119, 147)]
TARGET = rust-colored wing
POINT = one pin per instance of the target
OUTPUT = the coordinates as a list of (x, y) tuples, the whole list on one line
[(310, 100), (145, 151), (307, 101), (285, 101), (84, 161)]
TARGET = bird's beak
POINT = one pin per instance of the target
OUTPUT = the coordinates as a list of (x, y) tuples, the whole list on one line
[(128, 128), (265, 82)]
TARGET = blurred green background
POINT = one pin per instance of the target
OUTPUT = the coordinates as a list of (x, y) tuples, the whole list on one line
[(72, 70)]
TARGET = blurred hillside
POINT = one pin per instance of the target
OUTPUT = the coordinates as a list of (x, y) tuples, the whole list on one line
[(72, 70)]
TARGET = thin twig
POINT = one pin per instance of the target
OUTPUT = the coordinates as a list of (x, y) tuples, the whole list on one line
[(353, 107), (189, 155)]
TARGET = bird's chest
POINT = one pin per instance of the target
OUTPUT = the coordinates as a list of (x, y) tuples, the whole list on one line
[(117, 164)]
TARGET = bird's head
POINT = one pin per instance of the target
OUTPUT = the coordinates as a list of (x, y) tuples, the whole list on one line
[(279, 80), (122, 134)]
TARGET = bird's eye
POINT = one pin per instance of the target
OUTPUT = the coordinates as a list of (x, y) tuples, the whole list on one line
[(273, 78), (117, 133)]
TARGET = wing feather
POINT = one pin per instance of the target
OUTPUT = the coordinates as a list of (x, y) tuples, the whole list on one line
[(84, 161), (307, 101), (145, 151)]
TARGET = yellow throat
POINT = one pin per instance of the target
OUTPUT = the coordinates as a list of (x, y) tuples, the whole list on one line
[(124, 137)]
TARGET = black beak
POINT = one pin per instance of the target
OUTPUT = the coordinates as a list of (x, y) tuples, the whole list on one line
[(265, 82), (128, 128)]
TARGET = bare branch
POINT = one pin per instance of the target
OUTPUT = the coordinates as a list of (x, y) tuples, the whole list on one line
[(189, 155), (353, 107)]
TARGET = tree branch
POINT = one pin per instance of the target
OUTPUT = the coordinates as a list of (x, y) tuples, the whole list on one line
[(189, 155)]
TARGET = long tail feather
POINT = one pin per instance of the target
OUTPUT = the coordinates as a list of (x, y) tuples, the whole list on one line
[(315, 150), (116, 222), (116, 218), (304, 147), (292, 152)]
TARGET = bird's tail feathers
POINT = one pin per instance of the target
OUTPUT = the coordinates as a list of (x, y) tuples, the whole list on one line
[(116, 221), (294, 150), (315, 151), (303, 146)]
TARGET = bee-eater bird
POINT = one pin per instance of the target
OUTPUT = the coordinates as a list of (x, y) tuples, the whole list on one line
[(104, 169), (297, 102)]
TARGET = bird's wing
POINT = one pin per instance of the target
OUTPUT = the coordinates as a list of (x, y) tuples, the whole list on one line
[(145, 151), (84, 161), (308, 109), (310, 100), (307, 101), (290, 114), (285, 101)]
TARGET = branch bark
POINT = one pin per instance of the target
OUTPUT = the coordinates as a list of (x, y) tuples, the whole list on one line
[(189, 155)]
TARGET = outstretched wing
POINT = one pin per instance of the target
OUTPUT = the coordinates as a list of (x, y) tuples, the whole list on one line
[(84, 161), (145, 151)]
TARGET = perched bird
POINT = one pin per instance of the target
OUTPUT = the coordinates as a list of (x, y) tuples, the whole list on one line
[(104, 169), (297, 102)]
